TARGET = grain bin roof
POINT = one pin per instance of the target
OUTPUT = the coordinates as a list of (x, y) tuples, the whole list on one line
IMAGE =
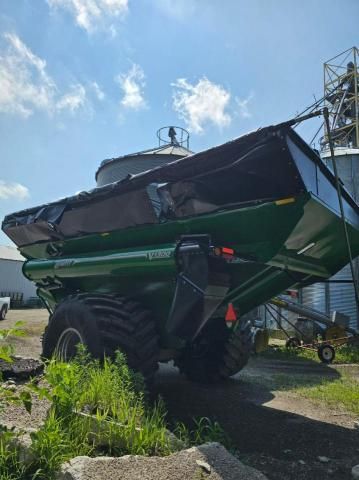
[(10, 253), (175, 150)]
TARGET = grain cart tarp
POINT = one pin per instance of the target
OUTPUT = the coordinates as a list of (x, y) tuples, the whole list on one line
[(262, 166)]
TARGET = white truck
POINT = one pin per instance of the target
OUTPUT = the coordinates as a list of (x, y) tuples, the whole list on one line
[(4, 307)]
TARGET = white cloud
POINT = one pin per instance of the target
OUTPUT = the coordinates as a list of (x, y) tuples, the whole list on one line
[(201, 103), (13, 190), (97, 90), (73, 100), (93, 14), (132, 84), (25, 85), (243, 106)]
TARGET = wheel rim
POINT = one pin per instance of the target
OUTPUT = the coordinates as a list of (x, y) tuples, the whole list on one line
[(327, 353), (66, 344)]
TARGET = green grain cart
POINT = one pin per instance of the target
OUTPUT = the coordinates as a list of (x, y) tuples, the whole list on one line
[(164, 263)]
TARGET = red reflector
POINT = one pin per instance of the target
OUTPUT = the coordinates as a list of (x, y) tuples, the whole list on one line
[(228, 251), (292, 293), (231, 315)]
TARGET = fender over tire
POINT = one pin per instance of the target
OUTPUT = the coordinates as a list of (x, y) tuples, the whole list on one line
[(104, 324)]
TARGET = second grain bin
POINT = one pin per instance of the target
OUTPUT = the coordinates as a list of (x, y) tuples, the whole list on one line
[(173, 144)]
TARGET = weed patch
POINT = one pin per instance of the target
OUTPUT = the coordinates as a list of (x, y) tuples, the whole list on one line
[(6, 348), (97, 408), (11, 467), (203, 430)]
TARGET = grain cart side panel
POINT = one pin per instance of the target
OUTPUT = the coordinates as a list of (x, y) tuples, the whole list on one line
[(199, 283)]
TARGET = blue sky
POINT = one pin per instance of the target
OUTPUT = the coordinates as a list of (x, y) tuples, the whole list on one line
[(84, 80)]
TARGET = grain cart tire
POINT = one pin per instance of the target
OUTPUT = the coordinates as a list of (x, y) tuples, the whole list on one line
[(3, 312), (217, 353), (104, 324)]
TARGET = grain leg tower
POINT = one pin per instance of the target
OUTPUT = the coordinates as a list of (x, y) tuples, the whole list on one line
[(341, 93)]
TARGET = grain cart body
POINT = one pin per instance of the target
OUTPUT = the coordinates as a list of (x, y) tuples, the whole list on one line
[(235, 224)]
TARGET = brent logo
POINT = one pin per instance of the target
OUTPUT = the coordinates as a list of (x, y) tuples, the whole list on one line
[(156, 254)]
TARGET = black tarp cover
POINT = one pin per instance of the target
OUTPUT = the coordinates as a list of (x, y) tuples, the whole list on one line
[(68, 219), (255, 167)]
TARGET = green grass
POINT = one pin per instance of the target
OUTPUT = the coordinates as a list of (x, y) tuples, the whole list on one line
[(204, 430), (338, 393), (343, 355), (118, 422), (55, 443), (342, 393), (11, 468), (96, 409), (6, 349)]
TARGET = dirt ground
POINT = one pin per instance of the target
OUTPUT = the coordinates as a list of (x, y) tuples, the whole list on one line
[(35, 321), (277, 432)]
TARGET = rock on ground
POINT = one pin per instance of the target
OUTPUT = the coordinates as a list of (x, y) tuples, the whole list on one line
[(178, 466), (22, 442), (21, 368)]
